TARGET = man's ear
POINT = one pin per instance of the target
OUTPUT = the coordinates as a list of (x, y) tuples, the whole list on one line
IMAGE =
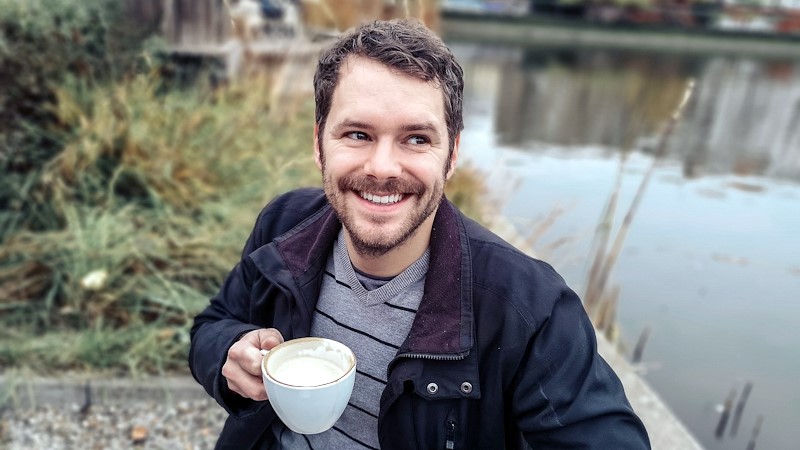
[(317, 155), (453, 157)]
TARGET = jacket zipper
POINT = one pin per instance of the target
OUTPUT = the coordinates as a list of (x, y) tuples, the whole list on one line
[(450, 435), (429, 357), (432, 357)]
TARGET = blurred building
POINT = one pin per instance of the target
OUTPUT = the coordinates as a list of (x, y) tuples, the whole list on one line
[(764, 16)]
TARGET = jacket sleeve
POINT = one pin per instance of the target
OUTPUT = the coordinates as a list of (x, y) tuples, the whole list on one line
[(566, 395), (221, 324)]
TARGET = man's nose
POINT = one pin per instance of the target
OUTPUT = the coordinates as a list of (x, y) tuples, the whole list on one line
[(383, 161)]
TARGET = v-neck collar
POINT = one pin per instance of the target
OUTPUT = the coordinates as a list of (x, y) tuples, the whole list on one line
[(345, 273)]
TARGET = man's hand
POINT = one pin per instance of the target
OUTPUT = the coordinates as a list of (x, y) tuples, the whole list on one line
[(242, 368)]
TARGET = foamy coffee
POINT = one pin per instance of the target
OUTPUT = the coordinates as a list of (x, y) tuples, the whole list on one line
[(307, 371), (309, 382)]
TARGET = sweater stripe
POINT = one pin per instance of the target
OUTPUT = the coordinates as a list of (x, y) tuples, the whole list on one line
[(383, 382), (340, 282), (354, 439), (355, 330), (362, 410), (401, 308)]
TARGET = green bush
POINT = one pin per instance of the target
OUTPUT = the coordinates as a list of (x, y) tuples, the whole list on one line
[(150, 199), (125, 200), (43, 44)]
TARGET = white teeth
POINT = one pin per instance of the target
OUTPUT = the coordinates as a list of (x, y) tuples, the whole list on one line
[(382, 199)]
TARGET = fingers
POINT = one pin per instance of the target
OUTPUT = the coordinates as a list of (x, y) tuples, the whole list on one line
[(242, 368), (242, 382)]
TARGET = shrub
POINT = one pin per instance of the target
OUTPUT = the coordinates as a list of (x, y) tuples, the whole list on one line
[(43, 44), (125, 200), (151, 199)]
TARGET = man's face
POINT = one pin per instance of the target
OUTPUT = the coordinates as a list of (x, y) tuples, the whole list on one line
[(383, 155)]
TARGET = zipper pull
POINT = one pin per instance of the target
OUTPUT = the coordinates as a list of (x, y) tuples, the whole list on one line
[(450, 435)]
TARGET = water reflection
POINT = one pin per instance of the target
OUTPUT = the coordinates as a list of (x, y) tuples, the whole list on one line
[(742, 119), (712, 261)]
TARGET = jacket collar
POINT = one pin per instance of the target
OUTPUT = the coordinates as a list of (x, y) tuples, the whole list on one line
[(443, 325)]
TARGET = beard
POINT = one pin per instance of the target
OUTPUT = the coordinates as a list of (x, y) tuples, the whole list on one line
[(375, 235)]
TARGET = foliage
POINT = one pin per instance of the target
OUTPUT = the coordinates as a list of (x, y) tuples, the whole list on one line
[(44, 43), (124, 197), (149, 203), (468, 190)]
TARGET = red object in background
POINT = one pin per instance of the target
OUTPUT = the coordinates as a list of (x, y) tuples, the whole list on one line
[(643, 16), (789, 22)]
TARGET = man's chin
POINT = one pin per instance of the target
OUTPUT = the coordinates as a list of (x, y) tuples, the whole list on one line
[(379, 239), (376, 237), (372, 251)]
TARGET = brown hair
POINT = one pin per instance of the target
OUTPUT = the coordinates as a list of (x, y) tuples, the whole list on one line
[(406, 46)]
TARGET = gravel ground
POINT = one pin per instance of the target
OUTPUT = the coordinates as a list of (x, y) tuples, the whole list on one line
[(185, 424), (176, 413)]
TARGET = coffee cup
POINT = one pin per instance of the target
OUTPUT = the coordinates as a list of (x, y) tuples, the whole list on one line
[(309, 382)]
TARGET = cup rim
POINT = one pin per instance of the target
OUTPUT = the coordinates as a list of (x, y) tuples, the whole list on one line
[(350, 369)]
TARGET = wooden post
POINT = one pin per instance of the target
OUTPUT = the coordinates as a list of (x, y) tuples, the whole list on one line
[(194, 23)]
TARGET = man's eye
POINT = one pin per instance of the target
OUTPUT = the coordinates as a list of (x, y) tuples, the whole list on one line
[(417, 140), (357, 135)]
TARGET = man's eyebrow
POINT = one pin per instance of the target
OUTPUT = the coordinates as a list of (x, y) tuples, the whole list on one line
[(348, 124), (425, 126), (411, 127)]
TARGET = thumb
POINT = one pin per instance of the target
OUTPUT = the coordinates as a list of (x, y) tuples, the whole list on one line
[(267, 338)]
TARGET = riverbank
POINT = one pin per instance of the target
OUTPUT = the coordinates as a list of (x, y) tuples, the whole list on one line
[(526, 30), (175, 412), (666, 431)]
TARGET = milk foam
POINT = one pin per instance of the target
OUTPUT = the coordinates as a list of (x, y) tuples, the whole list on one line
[(305, 370)]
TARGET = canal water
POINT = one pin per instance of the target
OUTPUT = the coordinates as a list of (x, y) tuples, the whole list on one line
[(711, 264)]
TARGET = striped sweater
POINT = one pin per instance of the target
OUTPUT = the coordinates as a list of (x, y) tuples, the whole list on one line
[(372, 317)]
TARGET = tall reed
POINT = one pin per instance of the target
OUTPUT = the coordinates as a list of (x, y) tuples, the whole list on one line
[(599, 301)]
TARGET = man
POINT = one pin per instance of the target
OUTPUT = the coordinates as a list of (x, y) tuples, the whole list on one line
[(462, 341)]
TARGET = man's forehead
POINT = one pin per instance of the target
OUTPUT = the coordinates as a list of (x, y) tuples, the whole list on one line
[(352, 63), (364, 98)]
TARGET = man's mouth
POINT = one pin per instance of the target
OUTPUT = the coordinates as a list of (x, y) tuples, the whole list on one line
[(381, 199)]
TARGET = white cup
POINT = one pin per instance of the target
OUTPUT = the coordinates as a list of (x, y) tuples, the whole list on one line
[(309, 382)]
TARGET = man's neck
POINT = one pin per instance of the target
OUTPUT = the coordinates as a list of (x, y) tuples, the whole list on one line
[(396, 260)]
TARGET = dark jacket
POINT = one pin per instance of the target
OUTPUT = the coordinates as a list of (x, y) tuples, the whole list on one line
[(500, 353)]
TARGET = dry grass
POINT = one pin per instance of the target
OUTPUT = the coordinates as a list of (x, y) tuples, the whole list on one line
[(601, 297), (150, 201)]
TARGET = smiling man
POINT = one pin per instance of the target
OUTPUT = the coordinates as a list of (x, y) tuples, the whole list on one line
[(385, 154), (462, 341)]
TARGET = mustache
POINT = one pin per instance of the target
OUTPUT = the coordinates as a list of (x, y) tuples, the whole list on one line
[(363, 183)]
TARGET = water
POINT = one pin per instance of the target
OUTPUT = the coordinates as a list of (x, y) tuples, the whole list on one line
[(712, 261)]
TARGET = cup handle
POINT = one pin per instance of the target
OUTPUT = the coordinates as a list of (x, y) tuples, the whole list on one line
[(264, 352)]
